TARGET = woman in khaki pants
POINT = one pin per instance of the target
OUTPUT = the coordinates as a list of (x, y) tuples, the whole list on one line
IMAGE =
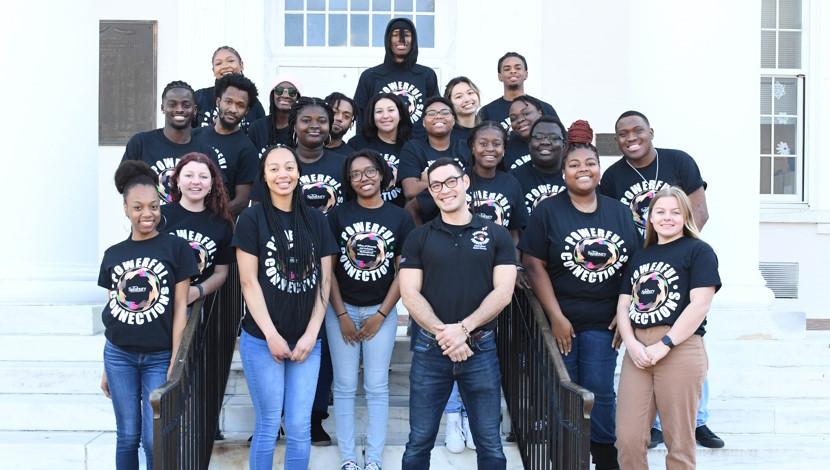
[(661, 315)]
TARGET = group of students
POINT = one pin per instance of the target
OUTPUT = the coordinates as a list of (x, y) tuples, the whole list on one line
[(434, 202)]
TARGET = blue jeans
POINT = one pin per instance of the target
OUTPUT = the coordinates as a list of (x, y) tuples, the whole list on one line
[(131, 378), (430, 380), (454, 404), (591, 364), (702, 410), (271, 384), (377, 354)]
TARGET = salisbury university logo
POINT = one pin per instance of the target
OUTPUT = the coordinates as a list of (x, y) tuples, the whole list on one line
[(321, 192), (140, 291), (654, 295), (593, 255)]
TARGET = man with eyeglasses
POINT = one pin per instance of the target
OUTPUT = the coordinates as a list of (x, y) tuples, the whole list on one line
[(456, 338), (542, 177), (512, 69)]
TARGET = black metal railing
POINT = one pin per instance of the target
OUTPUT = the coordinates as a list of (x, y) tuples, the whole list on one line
[(550, 415), (186, 409)]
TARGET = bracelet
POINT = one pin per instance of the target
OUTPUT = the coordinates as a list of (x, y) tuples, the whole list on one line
[(384, 315), (464, 329), (341, 314), (201, 290)]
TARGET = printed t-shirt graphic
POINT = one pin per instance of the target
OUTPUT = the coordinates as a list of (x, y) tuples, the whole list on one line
[(636, 188), (498, 199), (321, 182), (537, 186), (392, 193), (161, 155), (208, 235)]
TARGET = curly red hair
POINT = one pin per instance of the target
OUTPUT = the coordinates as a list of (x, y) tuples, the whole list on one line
[(217, 200)]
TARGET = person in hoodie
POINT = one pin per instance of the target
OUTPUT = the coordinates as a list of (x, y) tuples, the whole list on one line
[(399, 74)]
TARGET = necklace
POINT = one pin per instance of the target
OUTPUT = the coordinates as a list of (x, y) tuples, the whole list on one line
[(656, 173)]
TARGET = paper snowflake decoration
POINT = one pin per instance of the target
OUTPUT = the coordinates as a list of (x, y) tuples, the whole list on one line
[(782, 148), (778, 91)]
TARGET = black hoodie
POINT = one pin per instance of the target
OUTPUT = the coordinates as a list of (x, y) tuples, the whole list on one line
[(414, 83)]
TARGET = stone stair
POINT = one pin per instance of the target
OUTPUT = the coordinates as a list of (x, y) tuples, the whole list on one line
[(237, 421)]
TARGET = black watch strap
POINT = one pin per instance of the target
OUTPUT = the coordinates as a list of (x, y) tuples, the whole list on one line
[(667, 341)]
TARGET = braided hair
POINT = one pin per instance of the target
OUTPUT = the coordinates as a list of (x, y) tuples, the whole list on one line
[(178, 84), (471, 139), (302, 103), (298, 258)]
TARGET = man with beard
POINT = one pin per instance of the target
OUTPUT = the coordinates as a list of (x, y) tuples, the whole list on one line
[(236, 155), (542, 177), (162, 149), (512, 70), (345, 113)]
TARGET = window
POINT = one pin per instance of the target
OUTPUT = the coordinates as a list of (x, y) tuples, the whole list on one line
[(782, 101), (354, 23)]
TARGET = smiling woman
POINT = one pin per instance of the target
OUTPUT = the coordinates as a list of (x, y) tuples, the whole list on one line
[(575, 248)]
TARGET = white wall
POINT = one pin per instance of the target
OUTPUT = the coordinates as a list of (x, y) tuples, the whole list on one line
[(48, 245)]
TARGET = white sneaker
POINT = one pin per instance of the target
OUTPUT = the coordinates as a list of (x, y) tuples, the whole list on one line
[(454, 433), (468, 435)]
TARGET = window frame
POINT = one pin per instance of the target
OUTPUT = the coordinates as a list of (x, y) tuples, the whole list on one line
[(800, 198)]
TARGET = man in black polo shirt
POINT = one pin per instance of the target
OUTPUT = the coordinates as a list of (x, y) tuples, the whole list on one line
[(457, 274)]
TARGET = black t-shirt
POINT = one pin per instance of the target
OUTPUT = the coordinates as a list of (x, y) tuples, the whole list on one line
[(141, 278), (585, 256), (343, 149), (417, 155), (498, 199), (162, 155), (322, 181), (622, 182), (369, 240), (236, 155), (207, 111), (207, 234), (259, 135), (536, 185), (279, 288), (414, 85), (499, 109), (659, 279), (461, 133), (390, 152), (516, 152), (457, 264)]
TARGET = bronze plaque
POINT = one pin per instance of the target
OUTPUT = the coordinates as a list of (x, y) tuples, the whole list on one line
[(607, 145), (126, 80)]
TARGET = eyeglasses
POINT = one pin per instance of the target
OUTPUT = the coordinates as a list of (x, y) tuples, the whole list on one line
[(450, 183), (358, 175), (443, 113), (552, 138), (292, 92)]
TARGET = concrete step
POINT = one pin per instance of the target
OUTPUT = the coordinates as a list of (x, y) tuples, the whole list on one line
[(771, 416), (18, 377), (233, 452), (64, 450), (17, 347), (56, 413), (761, 381), (51, 319), (758, 451)]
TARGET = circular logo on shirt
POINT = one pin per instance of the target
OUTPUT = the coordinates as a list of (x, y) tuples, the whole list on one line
[(596, 254), (490, 210), (321, 192), (201, 254), (137, 289), (284, 271), (366, 250), (650, 292), (639, 206), (412, 96)]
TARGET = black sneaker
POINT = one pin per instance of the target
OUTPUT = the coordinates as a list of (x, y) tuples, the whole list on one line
[(705, 437), (319, 436), (656, 438)]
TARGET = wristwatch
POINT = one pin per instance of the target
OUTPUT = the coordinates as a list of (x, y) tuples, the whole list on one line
[(667, 341)]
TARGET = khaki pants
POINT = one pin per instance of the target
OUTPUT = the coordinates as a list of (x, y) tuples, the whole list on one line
[(673, 387)]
